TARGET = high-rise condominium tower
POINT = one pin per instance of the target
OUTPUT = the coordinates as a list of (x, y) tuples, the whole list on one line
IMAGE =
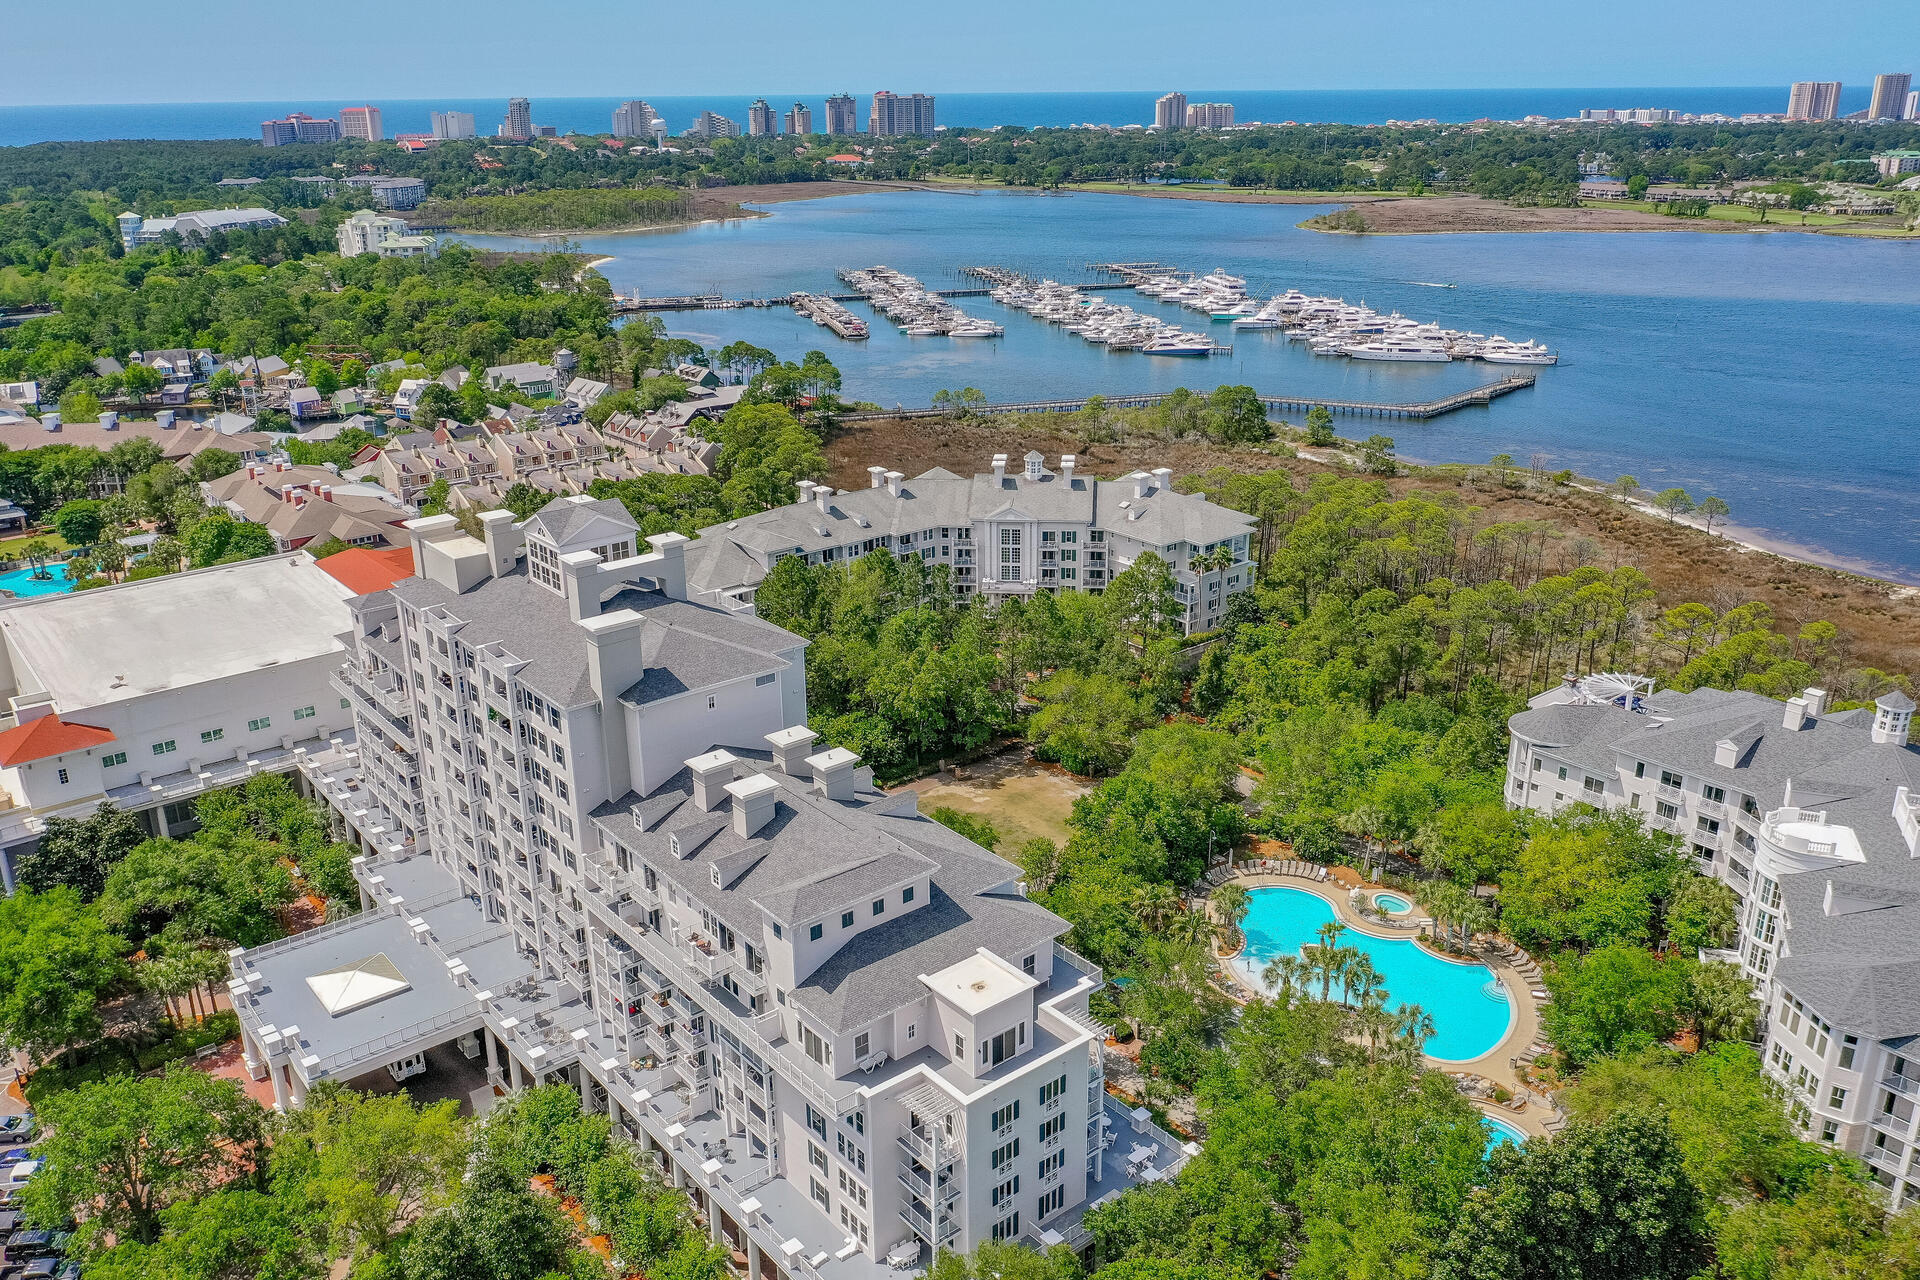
[(894, 115), (1890, 96), (1170, 111), (362, 123), (519, 121), (1814, 100), (1210, 115), (800, 120), (633, 119), (759, 119), (453, 124), (840, 117)]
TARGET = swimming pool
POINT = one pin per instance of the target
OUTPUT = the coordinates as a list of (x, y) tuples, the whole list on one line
[(1502, 1134), (1391, 903), (24, 585), (1469, 1007)]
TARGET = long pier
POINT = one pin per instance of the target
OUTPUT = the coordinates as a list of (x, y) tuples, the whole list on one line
[(1486, 393)]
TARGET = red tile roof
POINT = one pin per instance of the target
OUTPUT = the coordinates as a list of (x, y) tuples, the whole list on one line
[(46, 737), (364, 570)]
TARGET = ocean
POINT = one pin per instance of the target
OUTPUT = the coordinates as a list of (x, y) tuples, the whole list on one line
[(1773, 371), (20, 126)]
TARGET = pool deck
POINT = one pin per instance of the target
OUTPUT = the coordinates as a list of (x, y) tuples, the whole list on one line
[(1497, 1065)]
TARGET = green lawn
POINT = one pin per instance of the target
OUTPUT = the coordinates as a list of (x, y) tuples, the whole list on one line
[(10, 549), (1740, 213)]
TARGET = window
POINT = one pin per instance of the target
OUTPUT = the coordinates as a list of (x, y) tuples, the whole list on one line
[(813, 934), (1006, 1190), (1837, 1098), (63, 777), (1005, 1153), (912, 1030), (264, 722), (1665, 810), (959, 1047), (1008, 1230), (1010, 555), (211, 735), (767, 679), (1847, 1045), (1709, 825), (1830, 1131), (1052, 1089), (1006, 1115), (846, 919), (1053, 1201), (1669, 779), (112, 759), (1563, 773), (906, 895), (303, 713), (1640, 769), (815, 1047), (1052, 1164), (1713, 793), (712, 701), (817, 1156), (816, 1122), (162, 748), (862, 1044), (879, 905), (776, 928), (1052, 1127), (818, 1190), (1026, 966), (1594, 786)]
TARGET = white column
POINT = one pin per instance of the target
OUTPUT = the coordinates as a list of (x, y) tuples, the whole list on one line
[(280, 1100), (586, 1087), (493, 1054), (519, 1076)]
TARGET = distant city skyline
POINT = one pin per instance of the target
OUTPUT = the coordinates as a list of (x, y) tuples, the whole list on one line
[(1469, 44)]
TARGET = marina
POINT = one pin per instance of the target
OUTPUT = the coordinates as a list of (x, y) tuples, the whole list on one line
[(917, 310), (1329, 326), (1651, 331)]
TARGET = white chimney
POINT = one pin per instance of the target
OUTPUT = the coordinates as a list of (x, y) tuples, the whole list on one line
[(1141, 481), (1067, 461), (1816, 702), (999, 467), (109, 420), (1163, 478), (834, 772), (326, 493), (876, 474), (753, 804), (1795, 717), (790, 748), (50, 422), (805, 489), (711, 774), (822, 498), (893, 482), (164, 419)]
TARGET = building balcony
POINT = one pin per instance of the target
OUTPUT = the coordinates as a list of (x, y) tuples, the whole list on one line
[(919, 1184), (918, 1143), (921, 1222), (1667, 791), (1709, 808), (1905, 1085)]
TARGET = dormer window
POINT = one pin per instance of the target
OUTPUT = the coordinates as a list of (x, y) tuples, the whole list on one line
[(673, 844), (715, 870)]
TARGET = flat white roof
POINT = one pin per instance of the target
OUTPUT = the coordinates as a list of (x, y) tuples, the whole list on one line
[(978, 983), (114, 644)]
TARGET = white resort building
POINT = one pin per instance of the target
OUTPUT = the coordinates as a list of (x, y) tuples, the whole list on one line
[(601, 848), (1004, 533), (150, 693), (1813, 818)]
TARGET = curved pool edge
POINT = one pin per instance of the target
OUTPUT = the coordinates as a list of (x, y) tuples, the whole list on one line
[(1523, 1015)]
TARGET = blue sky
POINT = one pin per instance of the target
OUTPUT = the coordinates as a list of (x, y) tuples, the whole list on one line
[(253, 50)]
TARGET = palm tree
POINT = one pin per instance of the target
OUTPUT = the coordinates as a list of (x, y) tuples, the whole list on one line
[(1287, 975), (1231, 903), (1359, 978), (36, 554), (1323, 960), (1190, 928), (1156, 904), (1361, 824), (1413, 1027), (168, 978), (1373, 1020)]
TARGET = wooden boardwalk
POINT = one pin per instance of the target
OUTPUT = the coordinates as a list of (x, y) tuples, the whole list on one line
[(1483, 394)]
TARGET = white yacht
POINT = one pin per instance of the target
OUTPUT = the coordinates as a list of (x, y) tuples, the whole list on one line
[(1499, 350), (1184, 344), (1392, 348)]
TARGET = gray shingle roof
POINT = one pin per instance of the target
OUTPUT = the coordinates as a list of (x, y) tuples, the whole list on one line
[(563, 518), (818, 856), (533, 624)]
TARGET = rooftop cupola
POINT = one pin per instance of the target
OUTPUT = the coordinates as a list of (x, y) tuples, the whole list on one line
[(1892, 718), (1035, 464)]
